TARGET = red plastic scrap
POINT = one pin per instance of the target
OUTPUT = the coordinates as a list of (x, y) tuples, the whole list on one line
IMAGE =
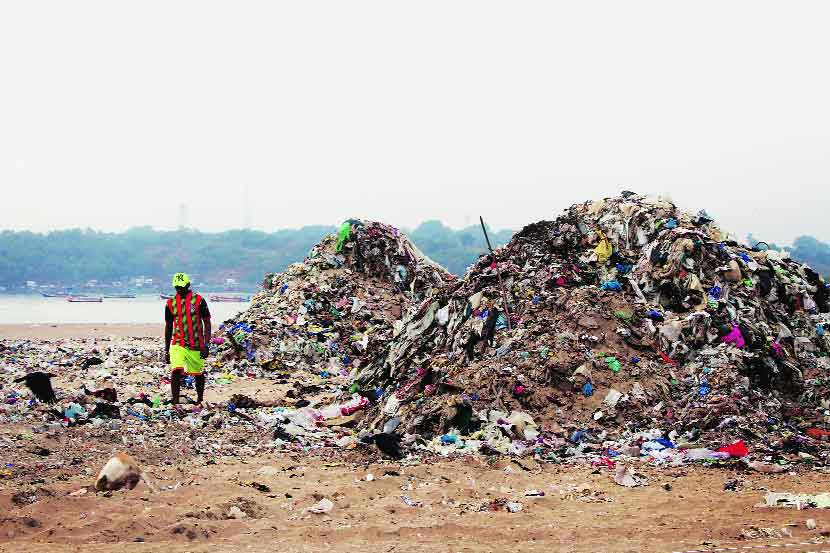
[(738, 449), (668, 359), (819, 434), (604, 462)]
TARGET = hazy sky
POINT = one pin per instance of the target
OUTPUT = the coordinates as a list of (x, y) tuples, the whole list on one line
[(113, 113)]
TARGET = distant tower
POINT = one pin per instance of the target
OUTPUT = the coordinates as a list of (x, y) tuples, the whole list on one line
[(246, 214), (182, 216)]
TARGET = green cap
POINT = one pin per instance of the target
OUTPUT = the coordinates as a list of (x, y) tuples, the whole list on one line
[(180, 280)]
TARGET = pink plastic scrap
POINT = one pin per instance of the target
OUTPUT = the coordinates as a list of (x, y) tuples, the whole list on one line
[(735, 337)]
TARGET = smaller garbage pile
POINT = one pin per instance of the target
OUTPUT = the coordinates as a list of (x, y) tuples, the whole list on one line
[(335, 310), (628, 321)]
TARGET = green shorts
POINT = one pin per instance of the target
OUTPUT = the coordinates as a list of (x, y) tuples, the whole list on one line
[(188, 359)]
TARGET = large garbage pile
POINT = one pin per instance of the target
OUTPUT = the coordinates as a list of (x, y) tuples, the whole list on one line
[(336, 309), (631, 324)]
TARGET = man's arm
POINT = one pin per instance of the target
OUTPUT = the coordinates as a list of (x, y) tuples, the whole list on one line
[(204, 317), (168, 335), (206, 334)]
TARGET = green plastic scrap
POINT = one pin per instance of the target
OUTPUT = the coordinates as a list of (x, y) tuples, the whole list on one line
[(613, 364), (343, 235), (623, 315)]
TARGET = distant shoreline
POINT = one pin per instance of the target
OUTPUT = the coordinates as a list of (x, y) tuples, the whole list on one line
[(57, 331)]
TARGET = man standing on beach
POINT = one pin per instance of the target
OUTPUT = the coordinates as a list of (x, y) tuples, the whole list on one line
[(186, 336)]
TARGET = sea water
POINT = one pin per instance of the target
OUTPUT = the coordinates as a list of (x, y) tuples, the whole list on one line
[(146, 308)]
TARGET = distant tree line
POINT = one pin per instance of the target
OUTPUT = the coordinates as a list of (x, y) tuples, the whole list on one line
[(805, 249), (455, 249), (75, 256), (72, 257)]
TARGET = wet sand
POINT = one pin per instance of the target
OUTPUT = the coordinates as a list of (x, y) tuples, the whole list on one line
[(58, 331)]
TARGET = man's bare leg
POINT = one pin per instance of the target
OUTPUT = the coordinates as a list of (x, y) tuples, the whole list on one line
[(175, 384), (200, 387)]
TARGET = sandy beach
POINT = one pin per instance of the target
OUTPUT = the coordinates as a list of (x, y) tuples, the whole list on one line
[(245, 498), (59, 331), (581, 512)]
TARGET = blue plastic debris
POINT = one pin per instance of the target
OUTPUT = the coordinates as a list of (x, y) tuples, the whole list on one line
[(624, 268), (611, 286), (136, 414), (578, 436)]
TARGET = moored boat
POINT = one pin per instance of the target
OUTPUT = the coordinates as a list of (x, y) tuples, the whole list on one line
[(55, 294), (85, 299), (229, 299), (119, 296)]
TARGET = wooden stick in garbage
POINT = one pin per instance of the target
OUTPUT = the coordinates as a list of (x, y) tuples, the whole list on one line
[(498, 274)]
